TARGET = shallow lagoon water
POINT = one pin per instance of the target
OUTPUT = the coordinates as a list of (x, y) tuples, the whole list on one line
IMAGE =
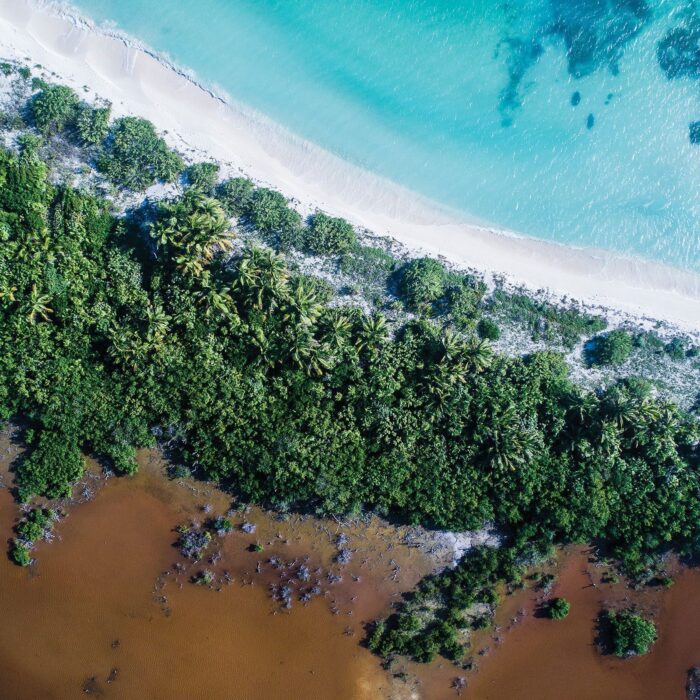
[(550, 117)]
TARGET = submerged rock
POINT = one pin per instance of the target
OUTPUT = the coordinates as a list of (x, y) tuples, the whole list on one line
[(694, 132), (692, 687), (576, 99)]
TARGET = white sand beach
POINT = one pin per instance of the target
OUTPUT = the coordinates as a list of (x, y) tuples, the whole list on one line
[(139, 82)]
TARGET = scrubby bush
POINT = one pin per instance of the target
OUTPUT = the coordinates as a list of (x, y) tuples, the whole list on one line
[(545, 321), (236, 195), (611, 349), (52, 465), (6, 68), (675, 349), (488, 329), (203, 176), (270, 214), (39, 84), (329, 236), (54, 109), (136, 157), (630, 634), (222, 525), (558, 608), (422, 281), (92, 124), (20, 554)]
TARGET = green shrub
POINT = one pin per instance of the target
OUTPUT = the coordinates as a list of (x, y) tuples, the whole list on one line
[(611, 349), (236, 195), (464, 299), (631, 634), (544, 320), (270, 214), (488, 329), (136, 157), (675, 349), (648, 341), (558, 608), (6, 68), (39, 84), (422, 281), (20, 554), (203, 176), (92, 124), (54, 109), (53, 464), (24, 73), (329, 236)]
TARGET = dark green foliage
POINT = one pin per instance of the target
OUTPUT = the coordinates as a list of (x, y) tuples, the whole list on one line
[(675, 349), (39, 84), (221, 525), (51, 467), (20, 554), (421, 281), (6, 68), (24, 73), (464, 299), (329, 236), (270, 214), (35, 524), (649, 341), (54, 109), (108, 337), (236, 195), (544, 321), (630, 634), (430, 621), (558, 608), (610, 349), (136, 157), (92, 124), (488, 329), (203, 176)]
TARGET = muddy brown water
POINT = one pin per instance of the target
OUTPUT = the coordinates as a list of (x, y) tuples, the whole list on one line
[(534, 658), (105, 612)]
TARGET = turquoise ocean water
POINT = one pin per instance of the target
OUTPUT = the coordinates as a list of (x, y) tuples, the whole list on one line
[(569, 120)]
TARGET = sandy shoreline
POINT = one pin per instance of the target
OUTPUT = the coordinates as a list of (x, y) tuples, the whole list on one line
[(199, 122)]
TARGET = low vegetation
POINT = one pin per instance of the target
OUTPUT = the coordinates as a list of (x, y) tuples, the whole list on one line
[(558, 608), (630, 634)]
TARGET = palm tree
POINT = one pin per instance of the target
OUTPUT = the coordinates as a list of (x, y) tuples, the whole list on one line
[(263, 278), (215, 298), (338, 330), (303, 304), (38, 306), (158, 322), (196, 228), (478, 355), (373, 332), (8, 292), (509, 443)]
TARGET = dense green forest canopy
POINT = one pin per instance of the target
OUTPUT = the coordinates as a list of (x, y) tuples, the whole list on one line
[(109, 332), (114, 332)]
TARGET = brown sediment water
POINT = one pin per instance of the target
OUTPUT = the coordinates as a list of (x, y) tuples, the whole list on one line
[(535, 658), (105, 612), (109, 610)]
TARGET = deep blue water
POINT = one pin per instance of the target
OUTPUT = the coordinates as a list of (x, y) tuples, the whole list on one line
[(568, 120)]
